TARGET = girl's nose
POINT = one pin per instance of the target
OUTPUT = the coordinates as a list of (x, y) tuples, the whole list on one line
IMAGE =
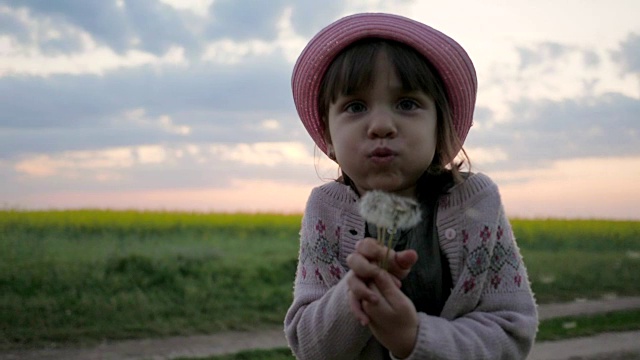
[(381, 125)]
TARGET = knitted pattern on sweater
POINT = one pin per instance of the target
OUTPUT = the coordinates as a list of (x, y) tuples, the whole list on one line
[(490, 314)]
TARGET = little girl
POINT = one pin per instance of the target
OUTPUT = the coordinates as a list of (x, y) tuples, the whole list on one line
[(391, 100)]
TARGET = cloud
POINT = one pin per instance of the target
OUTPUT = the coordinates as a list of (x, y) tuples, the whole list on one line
[(146, 166), (46, 35), (256, 20), (544, 130), (628, 55), (541, 53), (65, 112), (20, 60), (148, 25), (592, 187), (155, 27), (197, 7), (164, 122), (239, 195), (132, 129), (70, 163), (11, 24), (307, 18), (591, 58), (263, 154), (146, 96), (547, 53), (103, 19), (548, 72), (45, 45)]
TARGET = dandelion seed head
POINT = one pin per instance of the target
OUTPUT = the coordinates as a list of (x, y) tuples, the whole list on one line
[(390, 211), (375, 207), (408, 214)]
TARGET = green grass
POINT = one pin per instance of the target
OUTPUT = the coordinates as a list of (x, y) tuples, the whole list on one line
[(576, 326), (583, 235), (84, 276), (270, 354), (569, 259), (571, 274)]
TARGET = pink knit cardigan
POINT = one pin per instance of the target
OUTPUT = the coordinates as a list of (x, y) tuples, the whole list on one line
[(490, 314)]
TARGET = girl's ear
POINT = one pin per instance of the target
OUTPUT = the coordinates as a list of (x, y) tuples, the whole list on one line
[(331, 152), (327, 139)]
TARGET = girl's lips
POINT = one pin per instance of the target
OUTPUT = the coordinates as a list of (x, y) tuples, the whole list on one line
[(382, 155)]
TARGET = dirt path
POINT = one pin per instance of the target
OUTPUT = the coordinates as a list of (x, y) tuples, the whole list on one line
[(230, 342), (161, 349), (607, 346)]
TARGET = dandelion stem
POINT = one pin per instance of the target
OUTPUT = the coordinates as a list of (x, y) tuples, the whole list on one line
[(385, 261), (382, 233)]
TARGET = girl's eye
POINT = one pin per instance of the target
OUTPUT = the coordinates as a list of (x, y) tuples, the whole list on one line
[(355, 107), (407, 104)]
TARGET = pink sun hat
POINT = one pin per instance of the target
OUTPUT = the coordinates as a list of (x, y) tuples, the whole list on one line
[(448, 58)]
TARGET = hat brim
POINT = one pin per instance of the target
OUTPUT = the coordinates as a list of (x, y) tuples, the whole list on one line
[(449, 59)]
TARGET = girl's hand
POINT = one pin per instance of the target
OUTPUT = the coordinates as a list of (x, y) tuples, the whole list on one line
[(363, 263), (400, 263), (393, 317)]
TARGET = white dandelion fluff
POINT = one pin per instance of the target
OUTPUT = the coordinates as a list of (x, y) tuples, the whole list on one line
[(389, 213), (375, 207)]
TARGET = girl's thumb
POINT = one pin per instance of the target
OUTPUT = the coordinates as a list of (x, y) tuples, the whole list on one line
[(406, 259)]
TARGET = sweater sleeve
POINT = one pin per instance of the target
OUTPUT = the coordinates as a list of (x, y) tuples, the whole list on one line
[(491, 313), (319, 323)]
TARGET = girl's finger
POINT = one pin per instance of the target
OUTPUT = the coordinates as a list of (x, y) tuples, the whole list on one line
[(366, 270), (397, 282), (371, 250), (382, 305), (361, 266), (356, 308), (359, 290), (384, 287), (400, 263)]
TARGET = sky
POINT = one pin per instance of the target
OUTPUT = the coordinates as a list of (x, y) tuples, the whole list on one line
[(186, 104)]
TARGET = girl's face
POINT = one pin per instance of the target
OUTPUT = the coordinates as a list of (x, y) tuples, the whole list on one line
[(383, 137)]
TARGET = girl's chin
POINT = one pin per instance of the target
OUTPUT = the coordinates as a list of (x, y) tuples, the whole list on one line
[(389, 186)]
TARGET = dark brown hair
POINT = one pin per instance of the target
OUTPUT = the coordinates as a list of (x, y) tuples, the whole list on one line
[(353, 70)]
